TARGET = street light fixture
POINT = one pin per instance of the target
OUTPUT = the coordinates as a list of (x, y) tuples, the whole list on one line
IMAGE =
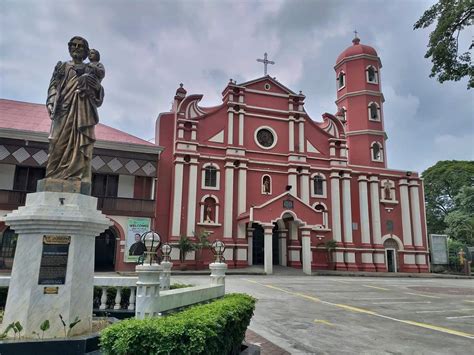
[(152, 242), (166, 250), (218, 248)]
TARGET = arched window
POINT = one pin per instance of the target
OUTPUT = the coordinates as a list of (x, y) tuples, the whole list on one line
[(372, 75), (374, 111), (318, 188), (377, 151), (266, 185), (210, 177), (341, 80), (209, 210)]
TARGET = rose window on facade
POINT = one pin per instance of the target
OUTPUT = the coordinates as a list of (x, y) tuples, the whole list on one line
[(265, 138)]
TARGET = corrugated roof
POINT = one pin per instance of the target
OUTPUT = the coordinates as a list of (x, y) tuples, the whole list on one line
[(26, 116)]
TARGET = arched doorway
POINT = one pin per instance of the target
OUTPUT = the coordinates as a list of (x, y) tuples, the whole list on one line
[(391, 255), (105, 250)]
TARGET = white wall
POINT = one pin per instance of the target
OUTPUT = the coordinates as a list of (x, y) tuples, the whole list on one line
[(7, 174), (125, 186)]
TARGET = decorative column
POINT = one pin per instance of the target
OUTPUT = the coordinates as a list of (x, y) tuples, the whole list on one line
[(346, 208), (420, 258), (291, 134), (177, 197), (304, 186), (282, 235), (230, 126), (242, 194), (306, 252), (268, 246), (250, 246), (241, 127), (379, 256), (406, 221), (294, 247), (293, 181), (148, 290), (192, 187), (336, 207), (367, 257), (218, 273), (301, 136), (229, 199)]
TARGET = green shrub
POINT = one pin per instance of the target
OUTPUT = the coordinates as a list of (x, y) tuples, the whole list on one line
[(214, 328)]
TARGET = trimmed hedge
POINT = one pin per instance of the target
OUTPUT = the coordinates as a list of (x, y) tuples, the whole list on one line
[(214, 328)]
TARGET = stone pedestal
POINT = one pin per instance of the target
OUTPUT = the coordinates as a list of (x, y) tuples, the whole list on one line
[(218, 273), (165, 276), (74, 219), (148, 290)]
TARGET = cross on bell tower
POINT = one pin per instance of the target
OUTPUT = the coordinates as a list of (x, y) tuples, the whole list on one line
[(265, 62)]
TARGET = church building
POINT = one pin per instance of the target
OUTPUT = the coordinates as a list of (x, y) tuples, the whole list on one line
[(280, 188)]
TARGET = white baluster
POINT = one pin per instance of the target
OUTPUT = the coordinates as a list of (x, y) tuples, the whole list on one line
[(103, 298), (131, 302), (118, 298)]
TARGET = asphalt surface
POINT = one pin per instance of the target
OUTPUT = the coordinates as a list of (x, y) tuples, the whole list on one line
[(358, 315)]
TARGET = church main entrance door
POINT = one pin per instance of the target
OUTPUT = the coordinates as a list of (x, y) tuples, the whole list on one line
[(258, 250), (105, 251)]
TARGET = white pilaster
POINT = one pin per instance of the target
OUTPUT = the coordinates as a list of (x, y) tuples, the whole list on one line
[(336, 207), (282, 247), (304, 186), (192, 187), (148, 290), (293, 181), (229, 199), (242, 197), (291, 135), (364, 210), (346, 207), (230, 127), (306, 244), (177, 197), (241, 128), (375, 208), (415, 213), (405, 205), (268, 246), (301, 137), (250, 246)]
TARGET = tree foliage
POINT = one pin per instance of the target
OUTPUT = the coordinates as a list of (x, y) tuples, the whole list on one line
[(451, 17), (460, 222), (443, 182)]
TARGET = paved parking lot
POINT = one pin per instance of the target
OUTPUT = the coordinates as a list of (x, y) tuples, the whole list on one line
[(359, 315)]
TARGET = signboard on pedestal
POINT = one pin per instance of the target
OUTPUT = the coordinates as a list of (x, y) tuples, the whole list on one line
[(439, 249), (54, 260), (134, 247)]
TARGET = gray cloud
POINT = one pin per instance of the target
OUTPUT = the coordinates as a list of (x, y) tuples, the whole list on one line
[(149, 47)]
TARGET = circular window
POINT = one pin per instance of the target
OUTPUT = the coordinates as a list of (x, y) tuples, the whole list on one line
[(267, 86), (265, 137)]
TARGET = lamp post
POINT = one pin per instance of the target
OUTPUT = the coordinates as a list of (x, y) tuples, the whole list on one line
[(152, 242), (166, 264), (218, 267)]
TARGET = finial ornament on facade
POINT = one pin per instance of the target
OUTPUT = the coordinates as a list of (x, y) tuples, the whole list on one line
[(265, 62)]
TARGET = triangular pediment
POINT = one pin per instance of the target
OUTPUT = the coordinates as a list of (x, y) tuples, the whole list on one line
[(275, 85)]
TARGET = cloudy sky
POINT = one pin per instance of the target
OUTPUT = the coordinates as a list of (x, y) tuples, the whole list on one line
[(149, 47)]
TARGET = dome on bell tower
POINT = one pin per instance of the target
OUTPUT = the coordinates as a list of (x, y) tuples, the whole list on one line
[(356, 49)]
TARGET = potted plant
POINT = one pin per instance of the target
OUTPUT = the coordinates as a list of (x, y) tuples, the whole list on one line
[(185, 246), (330, 246), (202, 242)]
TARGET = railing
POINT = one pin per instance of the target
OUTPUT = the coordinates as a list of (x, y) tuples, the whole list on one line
[(126, 206), (12, 199)]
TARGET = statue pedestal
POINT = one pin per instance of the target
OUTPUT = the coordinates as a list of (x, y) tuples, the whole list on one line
[(53, 269)]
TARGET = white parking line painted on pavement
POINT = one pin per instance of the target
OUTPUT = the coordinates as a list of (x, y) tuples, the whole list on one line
[(402, 302), (380, 298), (421, 295), (460, 317), (446, 310), (377, 288)]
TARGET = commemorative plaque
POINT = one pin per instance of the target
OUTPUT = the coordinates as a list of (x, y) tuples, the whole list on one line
[(54, 260)]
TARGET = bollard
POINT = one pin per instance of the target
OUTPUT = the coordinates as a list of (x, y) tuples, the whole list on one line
[(165, 276), (148, 290), (218, 273)]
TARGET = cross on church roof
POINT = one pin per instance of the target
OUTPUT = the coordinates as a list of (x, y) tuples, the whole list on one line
[(265, 62), (356, 33)]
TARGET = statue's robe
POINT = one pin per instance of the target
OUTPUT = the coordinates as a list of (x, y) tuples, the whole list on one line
[(72, 129)]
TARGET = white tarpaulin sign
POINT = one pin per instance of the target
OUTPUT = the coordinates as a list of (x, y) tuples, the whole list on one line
[(439, 249)]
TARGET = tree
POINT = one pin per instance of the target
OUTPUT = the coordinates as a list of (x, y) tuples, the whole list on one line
[(443, 182), (460, 222), (451, 17)]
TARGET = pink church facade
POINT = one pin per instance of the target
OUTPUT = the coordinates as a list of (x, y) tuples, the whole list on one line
[(282, 189)]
